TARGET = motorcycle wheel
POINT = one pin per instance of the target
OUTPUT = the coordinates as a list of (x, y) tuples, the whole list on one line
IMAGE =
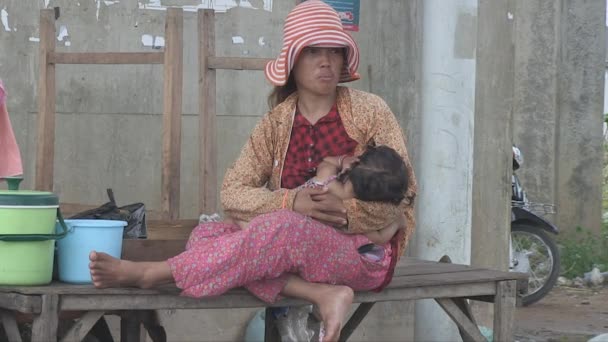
[(535, 253)]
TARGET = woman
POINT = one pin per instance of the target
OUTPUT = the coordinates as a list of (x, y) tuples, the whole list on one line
[(311, 118)]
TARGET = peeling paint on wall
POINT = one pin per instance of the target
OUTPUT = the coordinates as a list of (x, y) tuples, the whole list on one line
[(34, 39), (238, 40), (147, 40), (63, 32), (262, 41), (4, 18), (153, 42), (98, 6), (217, 5), (107, 3)]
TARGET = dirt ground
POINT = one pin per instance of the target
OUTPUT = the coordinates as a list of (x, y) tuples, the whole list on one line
[(566, 314)]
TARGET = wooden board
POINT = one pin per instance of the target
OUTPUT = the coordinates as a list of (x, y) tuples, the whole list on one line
[(106, 58), (206, 110)]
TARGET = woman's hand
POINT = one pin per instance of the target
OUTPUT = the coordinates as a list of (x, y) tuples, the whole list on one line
[(321, 206)]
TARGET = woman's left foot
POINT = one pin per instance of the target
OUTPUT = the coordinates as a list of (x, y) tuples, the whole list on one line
[(107, 271)]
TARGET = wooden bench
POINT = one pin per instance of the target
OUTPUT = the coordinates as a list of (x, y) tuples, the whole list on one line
[(449, 284)]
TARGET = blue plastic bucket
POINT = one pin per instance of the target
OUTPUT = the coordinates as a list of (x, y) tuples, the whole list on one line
[(83, 237)]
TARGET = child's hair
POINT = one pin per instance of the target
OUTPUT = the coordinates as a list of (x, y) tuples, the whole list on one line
[(379, 175)]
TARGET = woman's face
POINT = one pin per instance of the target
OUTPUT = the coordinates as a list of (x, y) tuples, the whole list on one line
[(318, 70)]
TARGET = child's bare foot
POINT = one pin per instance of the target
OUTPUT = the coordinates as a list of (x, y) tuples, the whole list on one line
[(107, 271), (334, 304)]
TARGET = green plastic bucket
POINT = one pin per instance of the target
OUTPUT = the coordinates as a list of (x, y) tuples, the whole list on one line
[(27, 236)]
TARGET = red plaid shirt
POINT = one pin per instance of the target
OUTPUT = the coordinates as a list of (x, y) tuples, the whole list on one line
[(309, 144)]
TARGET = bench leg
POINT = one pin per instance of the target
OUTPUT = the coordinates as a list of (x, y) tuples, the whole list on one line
[(44, 328), (504, 310), (355, 320), (271, 331), (101, 331), (130, 327), (10, 326), (151, 322), (466, 326), (79, 330)]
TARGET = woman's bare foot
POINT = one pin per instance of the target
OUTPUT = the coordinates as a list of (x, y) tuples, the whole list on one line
[(107, 271), (334, 302)]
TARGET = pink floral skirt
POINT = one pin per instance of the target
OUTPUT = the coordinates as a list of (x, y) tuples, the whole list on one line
[(219, 256)]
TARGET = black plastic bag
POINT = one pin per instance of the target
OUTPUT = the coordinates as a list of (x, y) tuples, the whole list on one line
[(134, 214)]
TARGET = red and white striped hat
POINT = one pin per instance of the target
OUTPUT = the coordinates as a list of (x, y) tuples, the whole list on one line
[(312, 23)]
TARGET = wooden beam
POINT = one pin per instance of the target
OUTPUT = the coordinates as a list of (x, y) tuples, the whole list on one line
[(172, 113), (106, 58), (170, 230), (45, 146), (237, 63), (206, 109), (23, 304)]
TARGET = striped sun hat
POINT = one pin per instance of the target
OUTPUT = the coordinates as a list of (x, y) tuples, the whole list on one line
[(312, 23)]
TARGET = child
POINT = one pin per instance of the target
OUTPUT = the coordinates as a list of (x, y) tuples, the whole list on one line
[(379, 174)]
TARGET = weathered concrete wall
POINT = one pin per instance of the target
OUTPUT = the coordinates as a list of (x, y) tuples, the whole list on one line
[(559, 82), (109, 117)]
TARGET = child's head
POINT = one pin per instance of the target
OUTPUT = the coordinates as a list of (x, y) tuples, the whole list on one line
[(379, 175)]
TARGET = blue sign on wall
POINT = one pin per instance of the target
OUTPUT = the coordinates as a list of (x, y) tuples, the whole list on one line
[(348, 11)]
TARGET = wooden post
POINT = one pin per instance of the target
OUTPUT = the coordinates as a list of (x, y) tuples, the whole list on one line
[(45, 147), (172, 113), (207, 120)]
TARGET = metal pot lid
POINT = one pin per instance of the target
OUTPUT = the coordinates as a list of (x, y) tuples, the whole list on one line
[(27, 198)]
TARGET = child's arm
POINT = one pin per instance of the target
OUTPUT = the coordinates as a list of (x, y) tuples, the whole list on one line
[(385, 234)]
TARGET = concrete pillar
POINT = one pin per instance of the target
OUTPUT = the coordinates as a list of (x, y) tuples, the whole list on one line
[(559, 82), (535, 95), (446, 147), (579, 152)]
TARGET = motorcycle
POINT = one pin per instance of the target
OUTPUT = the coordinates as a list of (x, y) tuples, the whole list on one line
[(531, 249)]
